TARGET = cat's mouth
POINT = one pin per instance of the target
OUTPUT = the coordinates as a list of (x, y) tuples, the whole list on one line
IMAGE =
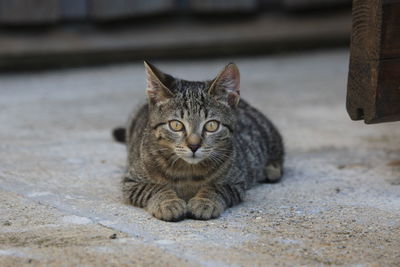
[(192, 159)]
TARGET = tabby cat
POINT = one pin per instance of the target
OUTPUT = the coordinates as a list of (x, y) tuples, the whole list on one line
[(194, 148)]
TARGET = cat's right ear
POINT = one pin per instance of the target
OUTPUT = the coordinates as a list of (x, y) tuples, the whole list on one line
[(157, 91), (226, 86)]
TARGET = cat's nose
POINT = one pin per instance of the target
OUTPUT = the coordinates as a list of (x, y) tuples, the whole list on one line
[(194, 147), (193, 142)]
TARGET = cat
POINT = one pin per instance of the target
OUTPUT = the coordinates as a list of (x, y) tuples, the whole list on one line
[(194, 148)]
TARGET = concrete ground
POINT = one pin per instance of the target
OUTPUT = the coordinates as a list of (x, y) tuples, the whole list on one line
[(60, 204)]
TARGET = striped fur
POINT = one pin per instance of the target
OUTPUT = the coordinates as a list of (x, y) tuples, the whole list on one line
[(172, 181)]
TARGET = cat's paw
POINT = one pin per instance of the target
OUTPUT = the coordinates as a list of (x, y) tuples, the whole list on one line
[(204, 208), (170, 210)]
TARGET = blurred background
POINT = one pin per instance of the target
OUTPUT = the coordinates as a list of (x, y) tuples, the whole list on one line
[(37, 34)]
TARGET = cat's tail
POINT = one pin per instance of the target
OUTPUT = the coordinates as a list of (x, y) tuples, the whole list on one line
[(119, 135)]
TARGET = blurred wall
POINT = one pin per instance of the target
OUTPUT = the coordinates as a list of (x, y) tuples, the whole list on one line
[(20, 12), (63, 33)]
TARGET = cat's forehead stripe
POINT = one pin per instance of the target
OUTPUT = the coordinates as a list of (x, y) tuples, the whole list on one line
[(191, 99)]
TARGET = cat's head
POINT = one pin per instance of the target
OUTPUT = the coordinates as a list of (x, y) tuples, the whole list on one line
[(194, 120)]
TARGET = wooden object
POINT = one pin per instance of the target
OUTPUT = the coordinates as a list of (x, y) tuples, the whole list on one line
[(373, 92)]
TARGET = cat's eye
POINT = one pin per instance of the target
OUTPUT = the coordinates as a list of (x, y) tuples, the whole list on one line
[(176, 126), (211, 126)]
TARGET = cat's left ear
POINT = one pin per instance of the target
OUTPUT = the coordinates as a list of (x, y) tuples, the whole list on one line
[(226, 86)]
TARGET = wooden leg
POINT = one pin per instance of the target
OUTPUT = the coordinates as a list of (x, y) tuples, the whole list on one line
[(373, 91)]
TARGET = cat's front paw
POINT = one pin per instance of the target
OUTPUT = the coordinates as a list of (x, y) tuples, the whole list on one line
[(170, 210), (204, 208)]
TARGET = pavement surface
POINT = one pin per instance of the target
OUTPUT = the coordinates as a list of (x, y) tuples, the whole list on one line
[(60, 203)]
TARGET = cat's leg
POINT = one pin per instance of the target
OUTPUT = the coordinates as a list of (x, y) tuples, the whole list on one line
[(210, 201), (159, 200), (273, 171)]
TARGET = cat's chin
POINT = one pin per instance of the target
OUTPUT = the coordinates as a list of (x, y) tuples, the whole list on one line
[(192, 160)]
